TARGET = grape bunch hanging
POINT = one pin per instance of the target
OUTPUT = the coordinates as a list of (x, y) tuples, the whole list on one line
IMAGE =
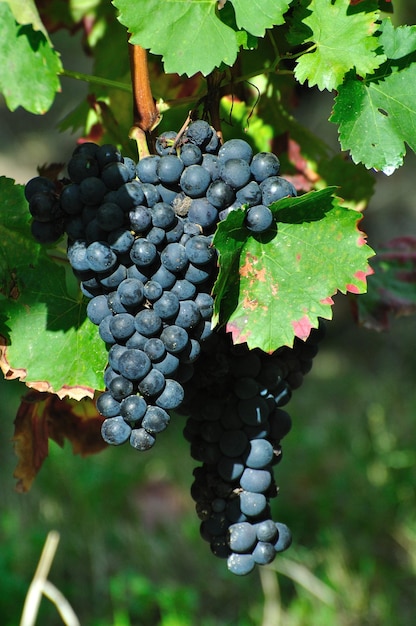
[(140, 243)]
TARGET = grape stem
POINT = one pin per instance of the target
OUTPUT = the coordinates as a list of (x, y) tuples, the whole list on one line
[(212, 101), (146, 115)]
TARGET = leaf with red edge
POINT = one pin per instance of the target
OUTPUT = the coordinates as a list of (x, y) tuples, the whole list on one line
[(275, 286), (392, 287), (43, 416)]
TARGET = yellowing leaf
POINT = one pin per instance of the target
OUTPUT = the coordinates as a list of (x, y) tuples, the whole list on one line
[(273, 287)]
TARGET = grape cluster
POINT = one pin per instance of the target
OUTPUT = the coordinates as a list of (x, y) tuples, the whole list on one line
[(235, 426), (140, 242)]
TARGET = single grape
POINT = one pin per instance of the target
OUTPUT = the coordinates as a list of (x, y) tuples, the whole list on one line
[(81, 166), (134, 365), (152, 384), (174, 257), (141, 439), (191, 154), (195, 180), (120, 387), (97, 309), (235, 149), (188, 315), (143, 253), (275, 188), (264, 553), (266, 531), (199, 250), (100, 256), (164, 143), (255, 480), (220, 195), (235, 172), (242, 537), (284, 537), (240, 564), (122, 326), (107, 405), (140, 219), (147, 169), (264, 165), (259, 218), (155, 349), (250, 194), (167, 306), (260, 454), (155, 420), (169, 169), (133, 408), (131, 292), (199, 133), (115, 430), (148, 323), (171, 396)]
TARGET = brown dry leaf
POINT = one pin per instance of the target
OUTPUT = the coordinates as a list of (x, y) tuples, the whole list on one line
[(44, 416)]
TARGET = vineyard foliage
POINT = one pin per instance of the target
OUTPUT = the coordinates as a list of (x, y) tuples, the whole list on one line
[(254, 60)]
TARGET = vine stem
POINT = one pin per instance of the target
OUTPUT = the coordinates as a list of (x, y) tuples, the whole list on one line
[(96, 80)]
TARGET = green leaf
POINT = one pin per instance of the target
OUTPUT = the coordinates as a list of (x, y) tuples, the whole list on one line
[(30, 67), (25, 12), (397, 42), (256, 16), (275, 286), (377, 117), (18, 249), (188, 35), (341, 41), (42, 316), (191, 36), (51, 339)]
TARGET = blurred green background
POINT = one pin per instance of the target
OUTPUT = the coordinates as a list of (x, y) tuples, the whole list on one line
[(130, 552)]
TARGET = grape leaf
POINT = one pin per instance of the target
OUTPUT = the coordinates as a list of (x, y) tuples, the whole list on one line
[(392, 288), (377, 117), (341, 41), (18, 249), (274, 286), (26, 12), (190, 35), (397, 42), (257, 15), (30, 66), (43, 416), (51, 340)]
